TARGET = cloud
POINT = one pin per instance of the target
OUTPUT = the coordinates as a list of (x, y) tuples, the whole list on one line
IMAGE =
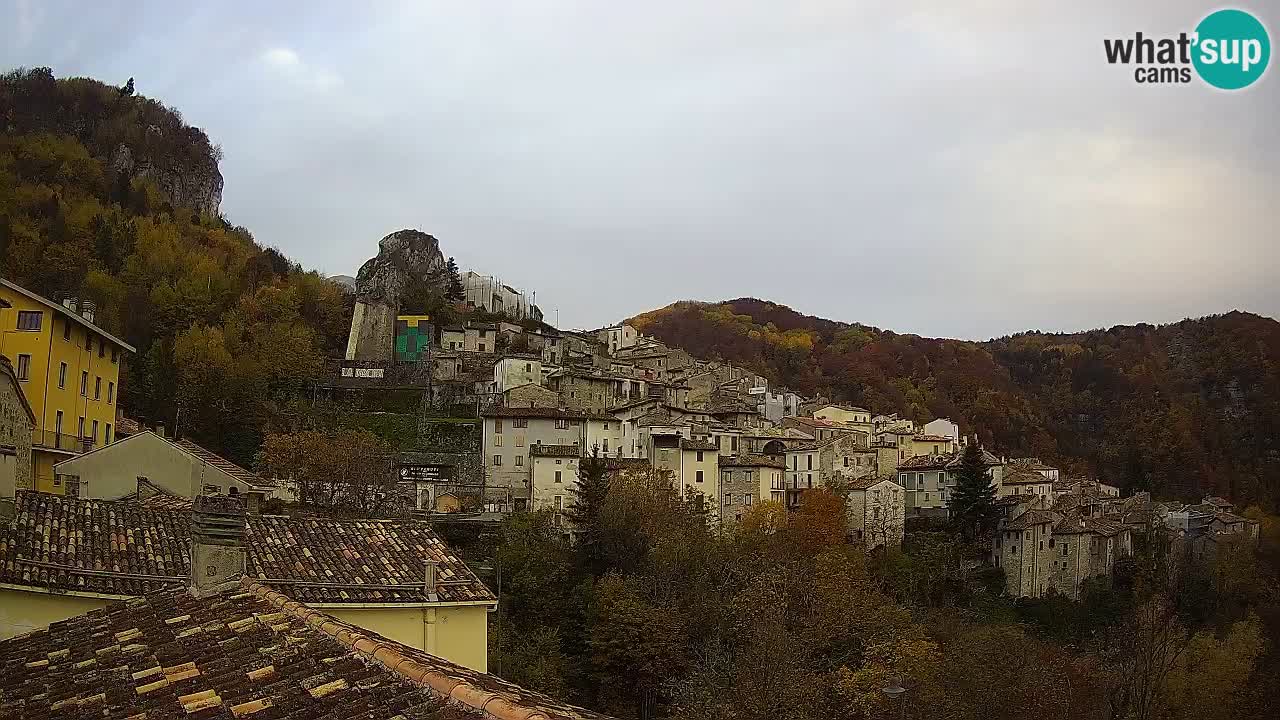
[(287, 63)]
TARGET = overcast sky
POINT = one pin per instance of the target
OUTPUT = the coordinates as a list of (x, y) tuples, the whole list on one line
[(915, 165)]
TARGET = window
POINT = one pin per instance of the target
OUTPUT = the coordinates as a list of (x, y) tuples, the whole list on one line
[(528, 367), (80, 428), (562, 424), (497, 441), (698, 476), (1013, 549), (795, 460), (1050, 543), (62, 375), (558, 476), (875, 513), (66, 329), (111, 392), (497, 461), (520, 423), (699, 456), (1042, 545), (733, 442), (29, 319), (519, 461), (809, 459), (1065, 547), (95, 432), (88, 342), (481, 347), (497, 425), (102, 349), (57, 426), (97, 388), (106, 436), (746, 499), (728, 499), (114, 356), (846, 461), (24, 367), (84, 383)]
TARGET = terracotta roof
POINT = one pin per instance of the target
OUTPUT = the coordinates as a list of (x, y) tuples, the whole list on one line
[(686, 444), (327, 560), (169, 655), (749, 460), (124, 549), (933, 438), (555, 450), (222, 464), (1229, 518)]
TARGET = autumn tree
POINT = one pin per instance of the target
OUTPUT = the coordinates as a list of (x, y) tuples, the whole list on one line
[(349, 472)]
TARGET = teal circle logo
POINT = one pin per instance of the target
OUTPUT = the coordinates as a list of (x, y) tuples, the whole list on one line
[(1232, 49)]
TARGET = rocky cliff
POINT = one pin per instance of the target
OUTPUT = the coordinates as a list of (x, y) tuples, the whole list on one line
[(186, 186), (404, 257)]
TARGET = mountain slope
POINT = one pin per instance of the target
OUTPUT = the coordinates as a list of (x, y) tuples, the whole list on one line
[(1182, 409)]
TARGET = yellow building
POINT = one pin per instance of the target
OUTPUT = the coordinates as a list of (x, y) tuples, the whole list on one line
[(70, 372)]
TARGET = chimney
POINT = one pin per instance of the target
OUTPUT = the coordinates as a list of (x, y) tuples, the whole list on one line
[(430, 581), (87, 309), (217, 544), (160, 429)]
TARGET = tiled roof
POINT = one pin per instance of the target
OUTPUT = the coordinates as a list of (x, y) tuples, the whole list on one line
[(124, 549), (1030, 464), (612, 464), (927, 462), (1031, 518), (749, 460), (222, 464), (93, 546), (1228, 518), (534, 412), (1217, 501), (686, 444), (327, 560), (1023, 477), (238, 654), (555, 450), (127, 426), (933, 438)]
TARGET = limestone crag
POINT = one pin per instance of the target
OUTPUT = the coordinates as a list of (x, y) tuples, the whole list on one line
[(199, 189), (404, 257)]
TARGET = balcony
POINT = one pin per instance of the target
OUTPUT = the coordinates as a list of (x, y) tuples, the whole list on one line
[(53, 440)]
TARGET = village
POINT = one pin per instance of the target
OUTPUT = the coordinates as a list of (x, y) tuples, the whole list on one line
[(99, 508)]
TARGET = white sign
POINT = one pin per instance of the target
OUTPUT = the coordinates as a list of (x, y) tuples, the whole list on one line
[(362, 372)]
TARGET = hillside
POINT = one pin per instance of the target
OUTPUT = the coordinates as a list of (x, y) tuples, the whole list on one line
[(112, 197), (1181, 409)]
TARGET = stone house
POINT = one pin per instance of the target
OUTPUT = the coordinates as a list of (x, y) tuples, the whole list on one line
[(1021, 547), (453, 338), (16, 422), (530, 396), (510, 433), (1019, 480), (554, 475), (512, 371), (747, 480), (942, 427), (877, 512), (854, 417), (480, 337), (1083, 548), (618, 337), (804, 470), (847, 457)]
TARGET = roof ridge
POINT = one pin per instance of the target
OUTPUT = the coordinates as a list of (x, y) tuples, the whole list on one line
[(451, 689)]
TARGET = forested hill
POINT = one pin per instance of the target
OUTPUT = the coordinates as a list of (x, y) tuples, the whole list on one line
[(1181, 409), (112, 197)]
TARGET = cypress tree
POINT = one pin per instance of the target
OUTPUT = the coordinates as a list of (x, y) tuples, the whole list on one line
[(585, 510), (972, 502)]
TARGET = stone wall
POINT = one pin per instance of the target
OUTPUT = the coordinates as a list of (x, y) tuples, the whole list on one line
[(15, 437)]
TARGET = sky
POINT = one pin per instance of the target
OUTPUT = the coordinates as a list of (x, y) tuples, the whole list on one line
[(936, 167)]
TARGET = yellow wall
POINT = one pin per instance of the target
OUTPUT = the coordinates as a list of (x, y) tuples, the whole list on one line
[(22, 611), (48, 350), (457, 634)]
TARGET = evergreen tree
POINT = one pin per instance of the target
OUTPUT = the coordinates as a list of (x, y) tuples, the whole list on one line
[(972, 502), (584, 512), (455, 291)]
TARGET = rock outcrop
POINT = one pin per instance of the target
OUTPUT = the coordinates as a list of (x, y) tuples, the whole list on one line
[(404, 257), (198, 189)]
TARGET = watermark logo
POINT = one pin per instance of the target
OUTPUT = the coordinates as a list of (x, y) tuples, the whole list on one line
[(1229, 50)]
